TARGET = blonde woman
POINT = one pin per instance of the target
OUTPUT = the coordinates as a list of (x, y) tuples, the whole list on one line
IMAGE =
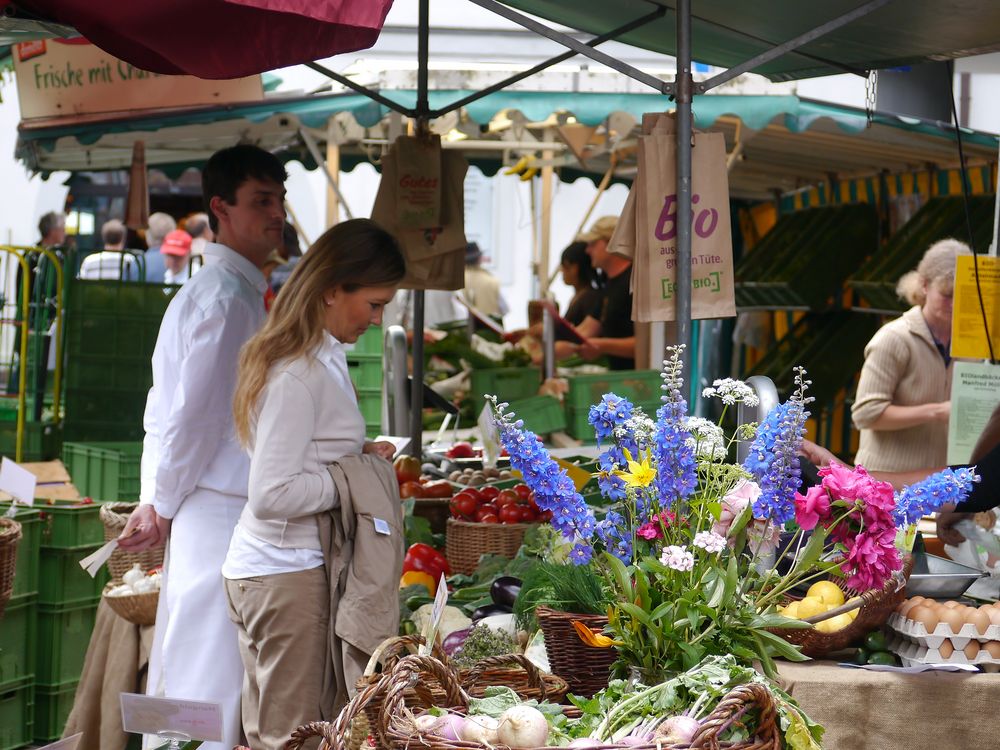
[(296, 412), (902, 404)]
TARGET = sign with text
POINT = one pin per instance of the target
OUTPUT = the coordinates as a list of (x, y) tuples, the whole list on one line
[(17, 482), (57, 78), (196, 720), (975, 392), (968, 336)]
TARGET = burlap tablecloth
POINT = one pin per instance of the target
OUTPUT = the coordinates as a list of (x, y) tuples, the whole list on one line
[(116, 663), (864, 710)]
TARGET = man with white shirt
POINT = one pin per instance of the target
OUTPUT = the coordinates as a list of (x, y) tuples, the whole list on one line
[(194, 473)]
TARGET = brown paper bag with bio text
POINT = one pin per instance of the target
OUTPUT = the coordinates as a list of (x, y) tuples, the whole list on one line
[(418, 181)]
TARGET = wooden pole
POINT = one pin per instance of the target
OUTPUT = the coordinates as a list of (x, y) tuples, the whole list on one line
[(333, 165)]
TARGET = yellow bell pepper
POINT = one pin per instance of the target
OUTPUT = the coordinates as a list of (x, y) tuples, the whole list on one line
[(415, 576)]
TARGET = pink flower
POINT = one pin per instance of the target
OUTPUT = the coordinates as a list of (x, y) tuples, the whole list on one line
[(649, 531), (735, 503), (763, 536), (812, 508), (843, 483), (871, 559)]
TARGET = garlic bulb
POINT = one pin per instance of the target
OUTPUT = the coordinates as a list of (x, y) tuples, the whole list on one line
[(143, 586), (132, 576)]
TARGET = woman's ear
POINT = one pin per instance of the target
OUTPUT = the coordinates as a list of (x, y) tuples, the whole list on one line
[(328, 296)]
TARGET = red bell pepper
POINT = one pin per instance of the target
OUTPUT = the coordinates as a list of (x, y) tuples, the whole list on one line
[(426, 559)]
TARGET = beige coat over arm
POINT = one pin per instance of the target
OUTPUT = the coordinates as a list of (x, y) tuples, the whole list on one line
[(902, 367)]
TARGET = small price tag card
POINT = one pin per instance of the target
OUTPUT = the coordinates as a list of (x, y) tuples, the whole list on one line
[(430, 631), (490, 437), (67, 743), (17, 482), (197, 720)]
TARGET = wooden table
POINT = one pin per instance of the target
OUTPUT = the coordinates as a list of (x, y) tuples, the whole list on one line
[(865, 710)]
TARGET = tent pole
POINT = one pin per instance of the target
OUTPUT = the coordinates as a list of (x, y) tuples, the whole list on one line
[(417, 385), (682, 92)]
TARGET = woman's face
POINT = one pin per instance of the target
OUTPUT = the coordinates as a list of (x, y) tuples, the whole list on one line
[(570, 274), (348, 314), (937, 306)]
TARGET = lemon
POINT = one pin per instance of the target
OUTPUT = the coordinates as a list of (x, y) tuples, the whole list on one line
[(828, 591), (834, 624), (792, 610), (810, 606)]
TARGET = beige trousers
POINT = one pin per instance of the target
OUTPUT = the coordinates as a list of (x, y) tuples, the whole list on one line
[(283, 624)]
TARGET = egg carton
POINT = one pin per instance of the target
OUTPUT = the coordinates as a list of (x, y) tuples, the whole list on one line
[(916, 632), (911, 653)]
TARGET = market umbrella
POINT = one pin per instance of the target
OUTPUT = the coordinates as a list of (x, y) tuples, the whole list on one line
[(137, 202), (218, 38)]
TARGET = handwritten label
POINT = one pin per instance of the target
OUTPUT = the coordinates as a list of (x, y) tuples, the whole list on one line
[(437, 610), (197, 720), (975, 392)]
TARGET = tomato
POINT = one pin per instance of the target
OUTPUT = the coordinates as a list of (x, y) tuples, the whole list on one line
[(502, 500), (411, 489), (523, 491), (485, 510), (489, 493), (509, 514), (463, 505), (476, 493), (510, 495), (545, 516), (532, 504), (407, 469), (461, 450), (527, 514), (488, 518), (439, 488)]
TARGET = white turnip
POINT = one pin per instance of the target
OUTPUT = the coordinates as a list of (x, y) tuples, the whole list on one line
[(480, 729), (523, 726), (678, 730)]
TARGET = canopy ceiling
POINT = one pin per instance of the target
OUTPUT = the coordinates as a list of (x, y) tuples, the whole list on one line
[(785, 142)]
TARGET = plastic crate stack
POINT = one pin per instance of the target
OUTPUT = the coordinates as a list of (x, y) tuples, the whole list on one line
[(106, 471), (641, 387), (55, 602), (364, 362)]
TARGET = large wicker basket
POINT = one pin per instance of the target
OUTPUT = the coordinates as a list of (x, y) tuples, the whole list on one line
[(10, 537), (139, 609), (115, 516), (586, 669), (467, 541), (876, 607)]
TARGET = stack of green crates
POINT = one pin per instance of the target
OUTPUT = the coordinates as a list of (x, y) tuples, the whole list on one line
[(364, 362), (641, 387), (107, 471), (67, 607), (18, 635), (506, 383)]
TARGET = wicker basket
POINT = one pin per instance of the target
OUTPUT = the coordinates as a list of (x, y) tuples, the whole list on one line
[(139, 609), (586, 669), (873, 614), (10, 537), (516, 672), (115, 516), (467, 541)]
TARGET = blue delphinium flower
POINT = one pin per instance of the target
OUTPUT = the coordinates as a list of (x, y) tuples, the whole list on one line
[(773, 456), (927, 496), (673, 448), (554, 490), (581, 554), (613, 411), (611, 486)]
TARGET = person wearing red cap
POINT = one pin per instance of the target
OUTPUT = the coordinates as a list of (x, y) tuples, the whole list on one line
[(175, 249)]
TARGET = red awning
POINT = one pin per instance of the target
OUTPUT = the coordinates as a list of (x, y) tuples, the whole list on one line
[(219, 38)]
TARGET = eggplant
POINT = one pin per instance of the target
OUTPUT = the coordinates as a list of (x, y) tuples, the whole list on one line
[(489, 610), (505, 590)]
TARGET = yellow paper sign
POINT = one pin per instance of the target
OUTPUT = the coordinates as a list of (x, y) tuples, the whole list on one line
[(968, 337)]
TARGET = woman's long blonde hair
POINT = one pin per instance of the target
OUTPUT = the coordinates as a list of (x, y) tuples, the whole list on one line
[(351, 255)]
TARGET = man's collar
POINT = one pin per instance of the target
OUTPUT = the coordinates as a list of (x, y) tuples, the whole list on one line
[(215, 251)]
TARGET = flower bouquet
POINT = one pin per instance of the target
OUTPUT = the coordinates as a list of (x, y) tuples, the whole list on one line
[(685, 544)]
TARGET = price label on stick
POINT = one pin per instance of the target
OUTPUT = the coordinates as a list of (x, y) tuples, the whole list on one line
[(490, 437), (431, 628), (67, 743), (17, 482), (196, 720)]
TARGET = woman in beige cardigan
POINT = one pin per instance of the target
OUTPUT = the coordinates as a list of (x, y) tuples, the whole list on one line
[(902, 404), (296, 412)]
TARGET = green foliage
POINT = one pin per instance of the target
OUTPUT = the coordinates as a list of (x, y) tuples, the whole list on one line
[(570, 588), (484, 641)]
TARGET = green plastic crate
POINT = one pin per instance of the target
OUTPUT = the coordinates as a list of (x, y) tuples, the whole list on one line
[(578, 426), (16, 714), (365, 370), (506, 383), (540, 414), (370, 404), (105, 470), (370, 342), (42, 440), (52, 708), (69, 524), (63, 637), (62, 582), (18, 629), (26, 566), (638, 386)]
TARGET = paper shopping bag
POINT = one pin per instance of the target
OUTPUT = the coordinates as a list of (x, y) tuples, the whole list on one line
[(418, 181)]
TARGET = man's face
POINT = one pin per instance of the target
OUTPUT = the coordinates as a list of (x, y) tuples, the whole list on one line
[(253, 224), (598, 252)]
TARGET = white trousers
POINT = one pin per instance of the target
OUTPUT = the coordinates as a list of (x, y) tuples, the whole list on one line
[(196, 652)]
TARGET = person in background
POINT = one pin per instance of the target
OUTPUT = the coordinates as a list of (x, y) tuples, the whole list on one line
[(580, 274), (111, 263), (291, 253), (199, 227), (274, 261), (610, 333), (482, 289), (296, 413), (52, 229), (902, 404), (176, 248), (160, 225), (194, 474)]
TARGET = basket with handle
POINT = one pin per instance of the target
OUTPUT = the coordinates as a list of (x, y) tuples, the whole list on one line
[(467, 541), (10, 537), (115, 516), (516, 672), (585, 669), (138, 609)]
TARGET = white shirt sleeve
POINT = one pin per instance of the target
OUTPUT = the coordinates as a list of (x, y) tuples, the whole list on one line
[(199, 414), (150, 452), (280, 488)]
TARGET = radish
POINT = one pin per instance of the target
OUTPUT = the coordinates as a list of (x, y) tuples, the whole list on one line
[(426, 723), (586, 742), (450, 727), (523, 726), (679, 730)]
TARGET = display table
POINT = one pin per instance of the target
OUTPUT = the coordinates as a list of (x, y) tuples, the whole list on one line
[(869, 710)]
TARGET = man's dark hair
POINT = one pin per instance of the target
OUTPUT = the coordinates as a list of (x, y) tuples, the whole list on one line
[(229, 168), (48, 222)]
